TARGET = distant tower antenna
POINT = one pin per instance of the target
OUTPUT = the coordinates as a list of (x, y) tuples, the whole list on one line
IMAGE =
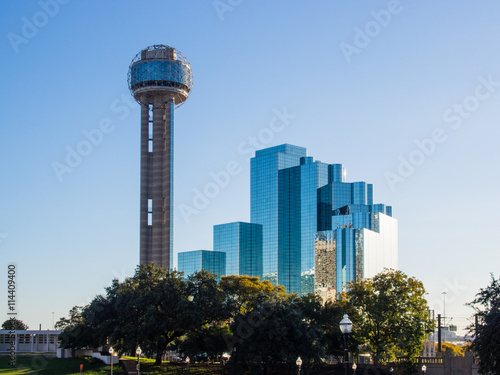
[(444, 314)]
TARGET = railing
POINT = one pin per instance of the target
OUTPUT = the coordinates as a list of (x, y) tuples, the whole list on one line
[(424, 360), (430, 360)]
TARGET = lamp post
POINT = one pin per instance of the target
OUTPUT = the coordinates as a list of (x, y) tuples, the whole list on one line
[(354, 367), (187, 362), (424, 369), (299, 363), (346, 328), (111, 359), (138, 352)]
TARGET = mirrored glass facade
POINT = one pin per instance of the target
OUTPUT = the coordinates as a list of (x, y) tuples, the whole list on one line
[(363, 241), (264, 169), (190, 262), (242, 244), (319, 231), (297, 223)]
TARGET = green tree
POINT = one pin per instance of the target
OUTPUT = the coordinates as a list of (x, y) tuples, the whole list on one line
[(333, 339), (392, 316), (452, 349), (211, 339), (210, 312), (271, 333), (76, 334), (209, 301), (153, 309), (239, 290), (14, 324), (486, 342)]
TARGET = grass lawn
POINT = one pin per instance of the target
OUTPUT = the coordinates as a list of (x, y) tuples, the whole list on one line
[(42, 365), (167, 368)]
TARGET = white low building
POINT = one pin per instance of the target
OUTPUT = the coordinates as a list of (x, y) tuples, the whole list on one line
[(34, 341)]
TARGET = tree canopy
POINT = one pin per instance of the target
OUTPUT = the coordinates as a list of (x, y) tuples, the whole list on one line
[(75, 334), (272, 333), (14, 324), (486, 342), (263, 327), (392, 316), (453, 349)]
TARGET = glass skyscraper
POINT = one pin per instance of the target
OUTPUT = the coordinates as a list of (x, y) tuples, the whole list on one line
[(190, 262), (242, 244), (264, 169), (298, 222), (313, 220)]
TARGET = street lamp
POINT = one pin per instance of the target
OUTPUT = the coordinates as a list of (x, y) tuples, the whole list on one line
[(187, 361), (138, 352), (299, 363), (346, 328), (354, 367), (424, 369), (111, 359)]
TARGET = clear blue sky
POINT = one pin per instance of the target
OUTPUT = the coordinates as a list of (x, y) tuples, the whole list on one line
[(421, 70)]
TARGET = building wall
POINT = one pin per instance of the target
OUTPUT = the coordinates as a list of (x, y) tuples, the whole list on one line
[(226, 239), (380, 246), (242, 244), (298, 223), (289, 229), (360, 252), (190, 262), (264, 169), (325, 262), (250, 249), (313, 176), (30, 340), (346, 256)]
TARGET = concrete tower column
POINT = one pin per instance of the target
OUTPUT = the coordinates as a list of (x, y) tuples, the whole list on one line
[(161, 182), (146, 171), (168, 179)]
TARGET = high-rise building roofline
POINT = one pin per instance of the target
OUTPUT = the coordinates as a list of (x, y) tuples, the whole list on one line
[(284, 148)]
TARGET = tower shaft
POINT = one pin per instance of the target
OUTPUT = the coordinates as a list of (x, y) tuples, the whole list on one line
[(156, 206)]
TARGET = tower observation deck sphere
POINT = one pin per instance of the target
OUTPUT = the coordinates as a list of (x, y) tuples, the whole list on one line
[(157, 70)]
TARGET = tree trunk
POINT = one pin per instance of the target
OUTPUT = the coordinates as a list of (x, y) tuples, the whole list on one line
[(160, 349), (158, 358)]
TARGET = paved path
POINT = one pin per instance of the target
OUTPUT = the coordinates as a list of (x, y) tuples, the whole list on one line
[(129, 365)]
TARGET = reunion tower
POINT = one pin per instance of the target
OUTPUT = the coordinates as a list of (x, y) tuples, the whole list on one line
[(160, 79)]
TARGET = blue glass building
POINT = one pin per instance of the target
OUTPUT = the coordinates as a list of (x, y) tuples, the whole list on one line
[(242, 244), (362, 242), (314, 220), (264, 169), (298, 222), (190, 262)]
